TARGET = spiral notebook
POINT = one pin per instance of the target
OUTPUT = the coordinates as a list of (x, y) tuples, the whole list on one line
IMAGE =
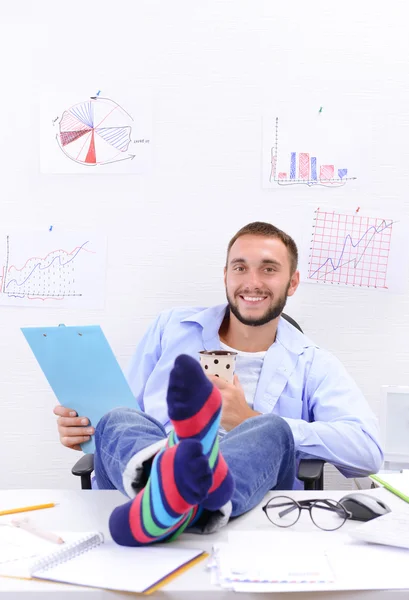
[(94, 562)]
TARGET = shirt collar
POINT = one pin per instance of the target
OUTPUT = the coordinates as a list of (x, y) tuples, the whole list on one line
[(211, 318), (291, 338)]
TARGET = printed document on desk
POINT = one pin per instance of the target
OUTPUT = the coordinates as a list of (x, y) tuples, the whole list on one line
[(81, 369), (391, 529), (332, 561)]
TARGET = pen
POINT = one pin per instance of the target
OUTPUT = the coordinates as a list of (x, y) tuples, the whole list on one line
[(46, 535), (12, 511)]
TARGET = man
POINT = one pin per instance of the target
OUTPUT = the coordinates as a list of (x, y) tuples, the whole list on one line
[(289, 400)]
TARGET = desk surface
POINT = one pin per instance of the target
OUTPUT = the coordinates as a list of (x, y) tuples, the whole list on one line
[(89, 510)]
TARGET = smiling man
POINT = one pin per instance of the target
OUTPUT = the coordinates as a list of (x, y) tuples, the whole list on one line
[(199, 450)]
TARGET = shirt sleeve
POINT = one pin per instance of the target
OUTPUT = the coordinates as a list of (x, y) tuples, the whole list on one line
[(145, 358), (344, 431)]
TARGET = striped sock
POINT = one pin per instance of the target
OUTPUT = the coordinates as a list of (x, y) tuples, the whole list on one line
[(194, 407), (180, 479)]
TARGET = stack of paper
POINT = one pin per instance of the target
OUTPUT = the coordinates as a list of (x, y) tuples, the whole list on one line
[(279, 561), (240, 569), (390, 530)]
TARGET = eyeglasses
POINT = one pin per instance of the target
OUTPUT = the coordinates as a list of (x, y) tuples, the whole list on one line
[(329, 515)]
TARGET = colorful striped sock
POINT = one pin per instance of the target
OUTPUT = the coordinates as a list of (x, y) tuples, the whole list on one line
[(194, 407), (180, 479)]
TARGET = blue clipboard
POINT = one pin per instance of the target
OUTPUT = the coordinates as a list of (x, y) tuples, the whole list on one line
[(81, 369)]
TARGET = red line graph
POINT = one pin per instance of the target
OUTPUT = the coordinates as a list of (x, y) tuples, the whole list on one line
[(349, 249), (49, 254), (51, 277)]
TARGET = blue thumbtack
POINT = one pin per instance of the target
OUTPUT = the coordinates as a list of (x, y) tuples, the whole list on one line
[(51, 228), (320, 110)]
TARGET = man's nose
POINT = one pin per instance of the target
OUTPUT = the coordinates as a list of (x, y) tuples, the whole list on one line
[(253, 279)]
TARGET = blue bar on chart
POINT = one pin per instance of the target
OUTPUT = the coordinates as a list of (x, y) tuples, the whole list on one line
[(313, 168), (293, 167)]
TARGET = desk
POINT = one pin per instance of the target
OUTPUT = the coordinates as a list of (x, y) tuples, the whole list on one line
[(86, 510)]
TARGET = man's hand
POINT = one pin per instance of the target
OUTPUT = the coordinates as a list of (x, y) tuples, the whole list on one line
[(235, 409), (71, 427)]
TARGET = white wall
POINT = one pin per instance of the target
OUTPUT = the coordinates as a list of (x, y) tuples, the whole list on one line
[(213, 68)]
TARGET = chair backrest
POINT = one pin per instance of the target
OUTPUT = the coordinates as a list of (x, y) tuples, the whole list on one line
[(310, 472), (291, 320)]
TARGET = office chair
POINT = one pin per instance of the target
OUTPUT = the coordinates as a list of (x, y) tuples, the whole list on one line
[(310, 471)]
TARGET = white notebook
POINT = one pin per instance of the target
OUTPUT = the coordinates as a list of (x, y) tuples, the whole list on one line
[(19, 549), (92, 561)]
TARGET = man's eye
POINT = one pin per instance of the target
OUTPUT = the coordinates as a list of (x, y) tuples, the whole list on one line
[(239, 268)]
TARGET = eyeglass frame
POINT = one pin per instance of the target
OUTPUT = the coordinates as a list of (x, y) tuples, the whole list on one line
[(308, 505)]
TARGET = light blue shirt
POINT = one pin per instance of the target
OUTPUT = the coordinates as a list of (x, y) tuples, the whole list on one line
[(307, 386)]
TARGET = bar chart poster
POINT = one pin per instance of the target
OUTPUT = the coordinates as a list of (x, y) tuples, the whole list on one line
[(307, 151), (355, 250)]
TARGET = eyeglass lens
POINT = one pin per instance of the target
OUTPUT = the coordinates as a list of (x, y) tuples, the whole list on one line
[(283, 511)]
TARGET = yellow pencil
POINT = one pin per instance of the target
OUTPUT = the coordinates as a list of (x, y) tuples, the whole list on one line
[(12, 511)]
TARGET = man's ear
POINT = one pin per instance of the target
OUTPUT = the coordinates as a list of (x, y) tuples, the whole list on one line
[(224, 275), (294, 283)]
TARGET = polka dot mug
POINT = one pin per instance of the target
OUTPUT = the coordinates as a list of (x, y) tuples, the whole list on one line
[(219, 362)]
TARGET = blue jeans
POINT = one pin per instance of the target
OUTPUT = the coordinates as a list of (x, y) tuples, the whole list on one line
[(259, 453)]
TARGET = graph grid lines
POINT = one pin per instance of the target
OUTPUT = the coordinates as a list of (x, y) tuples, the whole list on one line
[(349, 249)]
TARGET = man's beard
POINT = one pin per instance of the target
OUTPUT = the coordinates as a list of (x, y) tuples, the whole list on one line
[(272, 312)]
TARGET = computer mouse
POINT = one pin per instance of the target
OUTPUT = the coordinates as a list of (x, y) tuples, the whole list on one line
[(364, 507)]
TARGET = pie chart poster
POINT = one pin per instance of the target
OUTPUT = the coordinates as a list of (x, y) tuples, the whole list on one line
[(95, 132)]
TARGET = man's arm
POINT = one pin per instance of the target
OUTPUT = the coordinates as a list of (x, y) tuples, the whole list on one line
[(146, 356), (344, 430)]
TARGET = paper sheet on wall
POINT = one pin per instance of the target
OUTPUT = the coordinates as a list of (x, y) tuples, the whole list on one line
[(355, 249), (52, 268), (306, 148), (95, 131)]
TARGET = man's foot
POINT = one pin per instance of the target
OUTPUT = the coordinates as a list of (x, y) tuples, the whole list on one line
[(180, 479), (194, 407)]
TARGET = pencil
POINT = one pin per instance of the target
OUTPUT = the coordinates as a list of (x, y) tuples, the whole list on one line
[(46, 535), (12, 511)]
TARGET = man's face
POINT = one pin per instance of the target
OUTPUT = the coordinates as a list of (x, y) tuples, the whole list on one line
[(258, 279)]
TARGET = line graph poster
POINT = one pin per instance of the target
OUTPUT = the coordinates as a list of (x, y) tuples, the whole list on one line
[(95, 133), (307, 149), (355, 250), (44, 269)]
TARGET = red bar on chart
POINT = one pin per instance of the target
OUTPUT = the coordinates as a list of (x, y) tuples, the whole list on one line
[(304, 165), (282, 175), (326, 172)]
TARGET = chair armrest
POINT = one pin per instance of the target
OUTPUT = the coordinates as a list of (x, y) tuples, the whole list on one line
[(83, 468), (311, 472)]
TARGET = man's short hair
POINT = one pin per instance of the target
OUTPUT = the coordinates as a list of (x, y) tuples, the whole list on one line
[(267, 230)]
